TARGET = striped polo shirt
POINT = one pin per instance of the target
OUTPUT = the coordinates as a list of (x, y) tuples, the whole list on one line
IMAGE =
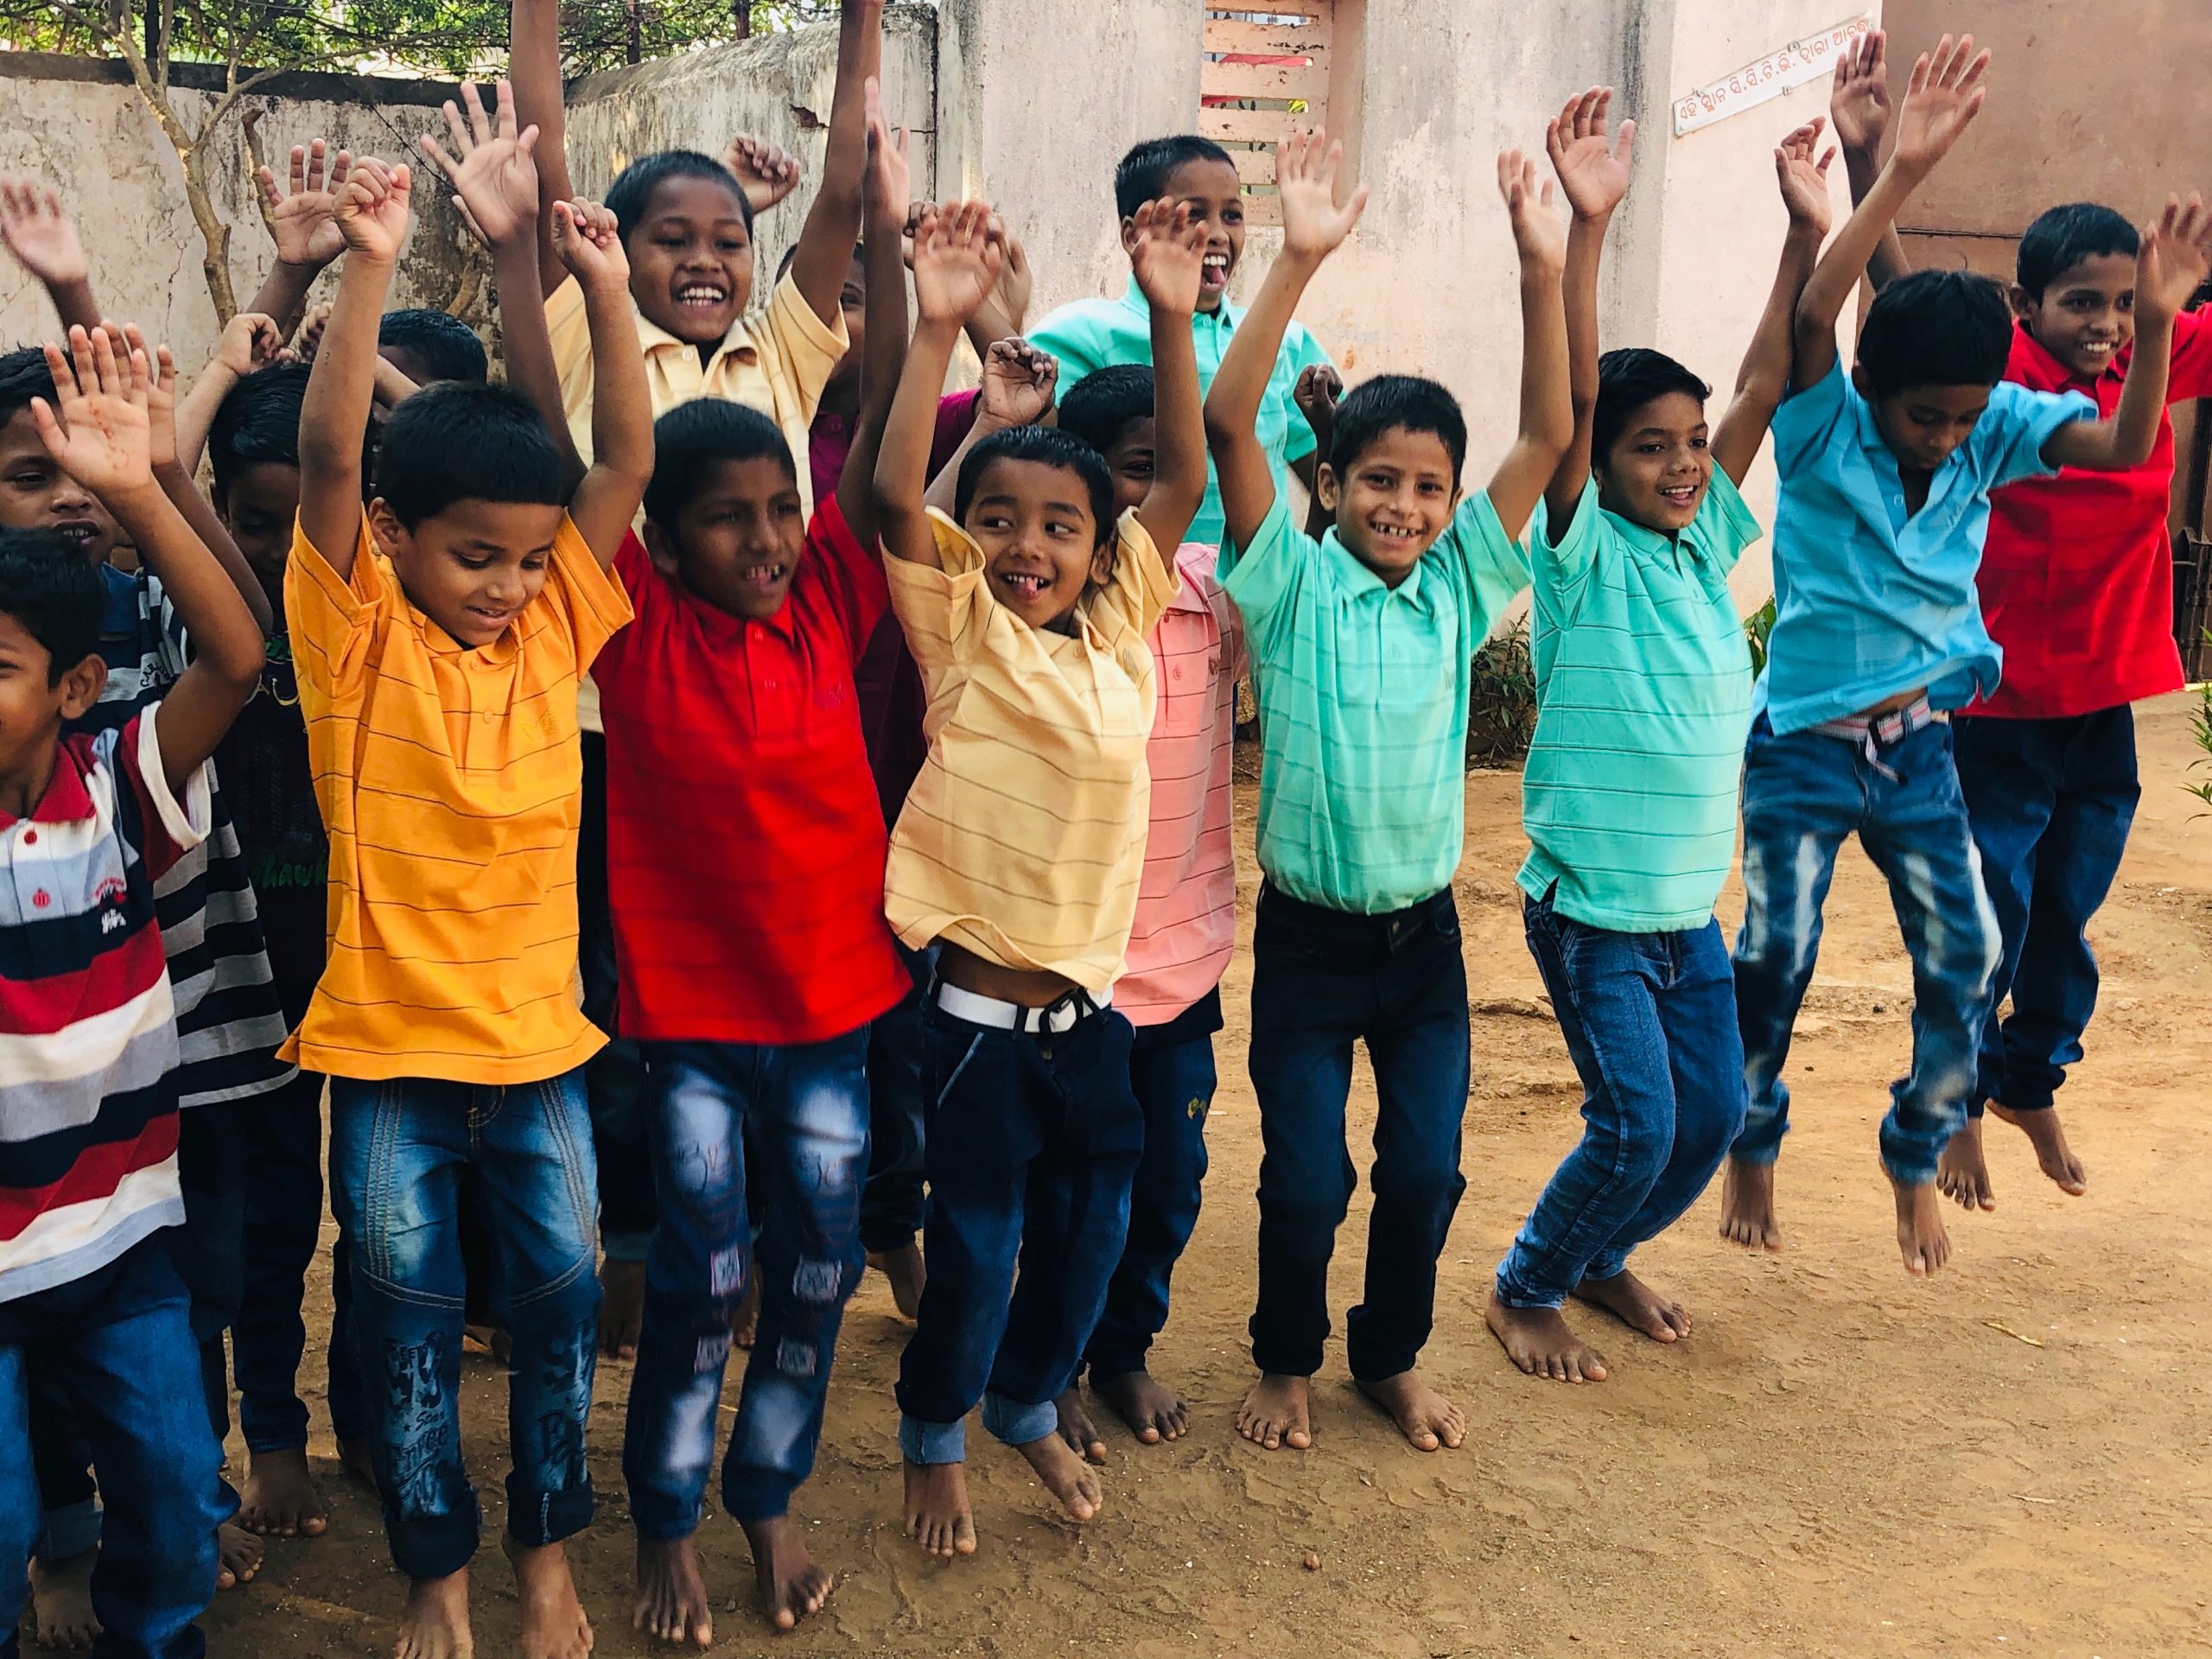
[(230, 1018), (88, 1044), (1186, 926), (1644, 699), (1023, 838), (451, 781), (1362, 691)]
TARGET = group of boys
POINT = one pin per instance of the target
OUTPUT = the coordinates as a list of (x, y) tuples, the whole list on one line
[(943, 690)]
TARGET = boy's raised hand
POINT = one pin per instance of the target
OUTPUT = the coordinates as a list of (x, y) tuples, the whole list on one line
[(766, 172), (1804, 180), (1538, 230), (491, 168), (1941, 101), (101, 434), (1593, 166), (251, 340), (1319, 387), (1018, 382), (371, 210), (1314, 224), (303, 220), (160, 393), (2174, 258), (589, 240), (40, 233), (957, 261), (1859, 103), (1167, 250), (889, 183)]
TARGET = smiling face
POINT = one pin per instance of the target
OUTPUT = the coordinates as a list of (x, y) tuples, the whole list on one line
[(2086, 317), (1657, 471), (258, 510), (1923, 424), (36, 494), (1393, 501), (691, 258), (737, 540), (472, 568), (1039, 539), (1216, 198)]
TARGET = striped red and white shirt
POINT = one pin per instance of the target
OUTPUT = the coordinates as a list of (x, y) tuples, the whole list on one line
[(88, 1037)]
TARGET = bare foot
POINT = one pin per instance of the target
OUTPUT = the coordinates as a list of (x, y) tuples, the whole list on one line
[(1962, 1173), (353, 1459), (280, 1497), (1927, 1247), (436, 1622), (1274, 1413), (621, 1307), (1636, 1305), (1153, 1413), (1424, 1417), (745, 1318), (938, 1517), (1081, 1434), (2049, 1139), (672, 1602), (903, 1268), (1747, 1206), (61, 1603), (791, 1585), (553, 1621), (1543, 1344), (1067, 1477), (237, 1556)]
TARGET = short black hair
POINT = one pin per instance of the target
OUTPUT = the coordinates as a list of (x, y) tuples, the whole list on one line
[(707, 429), (456, 442), (1106, 402), (1373, 407), (23, 376), (2061, 238), (1627, 380), (1050, 446), (1143, 174), (258, 424), (633, 186), (55, 593), (444, 343), (1935, 329)]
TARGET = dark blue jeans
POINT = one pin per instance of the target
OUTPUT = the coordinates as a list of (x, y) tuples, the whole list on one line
[(1322, 980), (800, 1113), (1034, 1141), (2050, 803), (399, 1151), (1803, 794), (1650, 1020), (119, 1343), (892, 1202), (1172, 1074), (614, 1078)]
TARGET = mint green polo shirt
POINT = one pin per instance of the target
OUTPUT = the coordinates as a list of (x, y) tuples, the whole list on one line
[(1644, 699), (1094, 334), (1362, 692)]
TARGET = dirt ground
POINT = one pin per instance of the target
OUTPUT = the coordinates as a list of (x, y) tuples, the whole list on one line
[(2011, 1459)]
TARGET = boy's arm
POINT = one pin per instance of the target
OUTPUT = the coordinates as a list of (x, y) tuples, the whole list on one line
[(1019, 381), (1763, 379), (885, 347), (302, 221), (1319, 388), (606, 502), (534, 67), (1548, 422), (2176, 254), (372, 215), (1593, 172), (250, 341), (1944, 95), (1859, 111), (1314, 226), (1167, 254), (102, 436), (833, 223), (44, 241), (176, 481)]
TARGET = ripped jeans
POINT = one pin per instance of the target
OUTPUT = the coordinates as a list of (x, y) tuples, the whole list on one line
[(802, 1109), (400, 1152)]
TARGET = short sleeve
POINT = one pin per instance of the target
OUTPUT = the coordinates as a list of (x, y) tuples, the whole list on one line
[(586, 600), (2013, 429), (1725, 526), (1196, 563), (331, 620), (633, 568), (1073, 337), (944, 610), (1304, 352), (956, 414), (1809, 416), (1494, 566), (851, 575), (1263, 579), (809, 348), (168, 827), (570, 330), (2191, 375), (1142, 584)]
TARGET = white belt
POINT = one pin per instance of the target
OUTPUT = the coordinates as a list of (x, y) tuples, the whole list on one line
[(1001, 1015)]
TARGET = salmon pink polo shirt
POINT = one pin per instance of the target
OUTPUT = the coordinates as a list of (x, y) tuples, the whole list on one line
[(2076, 580), (744, 843)]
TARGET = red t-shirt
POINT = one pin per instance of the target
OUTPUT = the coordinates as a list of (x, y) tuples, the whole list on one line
[(2077, 582), (744, 845)]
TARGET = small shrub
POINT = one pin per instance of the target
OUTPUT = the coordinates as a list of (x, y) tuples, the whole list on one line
[(1757, 626), (1502, 701), (2200, 727)]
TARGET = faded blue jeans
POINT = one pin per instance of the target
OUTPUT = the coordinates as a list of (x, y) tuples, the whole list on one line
[(803, 1111), (399, 1153), (1803, 794), (1649, 1020)]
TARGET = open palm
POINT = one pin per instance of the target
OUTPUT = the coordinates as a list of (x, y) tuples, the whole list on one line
[(491, 169), (1592, 164), (1858, 104), (1802, 172), (40, 234), (303, 220), (2174, 258), (1167, 253), (99, 431), (1305, 178), (1944, 96), (957, 262)]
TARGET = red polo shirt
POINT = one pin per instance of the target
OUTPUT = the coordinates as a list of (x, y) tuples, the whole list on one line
[(2077, 582), (745, 841)]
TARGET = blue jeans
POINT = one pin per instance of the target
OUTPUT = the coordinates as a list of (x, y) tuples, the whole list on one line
[(1172, 1074), (892, 1202), (1322, 980), (400, 1152), (119, 1341), (801, 1112), (1803, 795), (1034, 1141), (2050, 803), (1650, 1020)]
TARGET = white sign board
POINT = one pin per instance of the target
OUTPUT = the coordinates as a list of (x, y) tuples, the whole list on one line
[(1793, 65)]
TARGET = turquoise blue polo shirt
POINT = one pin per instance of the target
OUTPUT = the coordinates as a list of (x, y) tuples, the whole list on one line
[(1095, 334), (1870, 603), (1362, 692), (1644, 699)]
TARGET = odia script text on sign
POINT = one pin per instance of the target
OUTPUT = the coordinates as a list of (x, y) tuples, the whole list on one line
[(1793, 65)]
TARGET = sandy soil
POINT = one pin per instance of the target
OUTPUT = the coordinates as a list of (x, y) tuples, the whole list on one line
[(1839, 1461)]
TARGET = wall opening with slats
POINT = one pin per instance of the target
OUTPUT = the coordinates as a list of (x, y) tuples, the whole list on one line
[(1269, 70)]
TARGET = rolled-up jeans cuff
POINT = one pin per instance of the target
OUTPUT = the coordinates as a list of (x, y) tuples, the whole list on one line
[(1511, 1295), (537, 1518), (921, 1442), (1012, 1422), (69, 1531), (625, 1246)]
